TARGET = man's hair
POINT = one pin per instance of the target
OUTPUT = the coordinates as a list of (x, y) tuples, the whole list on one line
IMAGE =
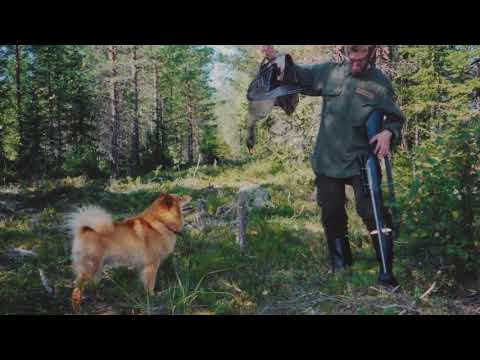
[(355, 48), (267, 47), (371, 51)]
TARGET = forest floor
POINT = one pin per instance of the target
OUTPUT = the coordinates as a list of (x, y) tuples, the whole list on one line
[(284, 269)]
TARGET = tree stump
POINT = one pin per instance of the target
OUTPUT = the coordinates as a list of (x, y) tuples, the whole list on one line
[(243, 198), (250, 196)]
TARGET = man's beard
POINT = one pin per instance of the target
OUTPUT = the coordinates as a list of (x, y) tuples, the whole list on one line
[(364, 68)]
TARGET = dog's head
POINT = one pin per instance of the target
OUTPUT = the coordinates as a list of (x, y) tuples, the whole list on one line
[(169, 209)]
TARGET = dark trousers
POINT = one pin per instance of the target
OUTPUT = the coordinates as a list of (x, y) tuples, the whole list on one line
[(332, 200)]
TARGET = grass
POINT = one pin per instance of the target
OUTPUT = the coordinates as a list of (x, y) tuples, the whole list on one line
[(284, 269)]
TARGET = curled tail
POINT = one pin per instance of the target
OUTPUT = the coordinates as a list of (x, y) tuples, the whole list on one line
[(90, 218)]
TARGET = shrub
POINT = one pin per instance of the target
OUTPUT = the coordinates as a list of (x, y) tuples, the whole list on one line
[(83, 161), (440, 197)]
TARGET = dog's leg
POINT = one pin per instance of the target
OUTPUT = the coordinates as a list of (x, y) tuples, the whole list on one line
[(90, 269), (80, 282), (96, 279), (149, 275)]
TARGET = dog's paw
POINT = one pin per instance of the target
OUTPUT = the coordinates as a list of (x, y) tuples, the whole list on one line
[(76, 300)]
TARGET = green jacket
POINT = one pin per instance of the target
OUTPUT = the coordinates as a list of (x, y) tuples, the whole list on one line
[(347, 102)]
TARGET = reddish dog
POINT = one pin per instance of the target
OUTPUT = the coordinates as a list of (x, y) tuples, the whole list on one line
[(142, 242)]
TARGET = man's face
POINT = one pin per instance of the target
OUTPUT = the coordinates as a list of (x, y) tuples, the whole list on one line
[(358, 59), (269, 51)]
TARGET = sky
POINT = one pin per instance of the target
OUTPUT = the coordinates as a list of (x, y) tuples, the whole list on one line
[(219, 70), (226, 113)]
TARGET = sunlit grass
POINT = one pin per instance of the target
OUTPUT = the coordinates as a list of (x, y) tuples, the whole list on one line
[(283, 270)]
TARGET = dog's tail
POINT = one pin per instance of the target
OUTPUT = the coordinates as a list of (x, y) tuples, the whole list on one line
[(90, 218)]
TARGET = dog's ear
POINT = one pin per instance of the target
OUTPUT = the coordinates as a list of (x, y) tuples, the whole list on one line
[(166, 200)]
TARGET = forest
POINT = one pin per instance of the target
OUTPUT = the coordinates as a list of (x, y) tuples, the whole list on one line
[(115, 125)]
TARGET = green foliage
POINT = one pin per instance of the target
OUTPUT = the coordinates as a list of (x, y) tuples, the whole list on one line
[(434, 88), (439, 157), (82, 162), (440, 199), (64, 94), (283, 271), (62, 127), (212, 147)]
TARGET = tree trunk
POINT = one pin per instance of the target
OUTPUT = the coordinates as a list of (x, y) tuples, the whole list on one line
[(51, 132), (469, 176), (404, 137), (60, 100), (135, 160), (159, 130), (18, 64), (467, 203), (195, 133), (17, 77), (34, 153), (190, 134), (163, 137), (115, 121), (59, 152), (242, 219), (178, 145), (77, 112), (417, 136), (190, 155), (476, 94)]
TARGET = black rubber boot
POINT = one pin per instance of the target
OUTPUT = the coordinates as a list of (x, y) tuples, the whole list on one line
[(340, 253), (385, 276)]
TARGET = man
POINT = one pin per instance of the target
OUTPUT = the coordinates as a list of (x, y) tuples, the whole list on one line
[(352, 89)]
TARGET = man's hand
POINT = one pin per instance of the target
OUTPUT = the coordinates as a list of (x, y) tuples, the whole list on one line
[(383, 141)]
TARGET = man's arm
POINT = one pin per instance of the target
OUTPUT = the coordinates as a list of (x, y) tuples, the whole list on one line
[(311, 77), (393, 123), (394, 116)]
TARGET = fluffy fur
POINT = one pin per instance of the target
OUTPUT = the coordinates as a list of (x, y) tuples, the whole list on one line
[(92, 217), (141, 242)]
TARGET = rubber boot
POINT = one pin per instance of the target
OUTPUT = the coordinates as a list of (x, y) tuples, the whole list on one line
[(340, 253), (385, 276)]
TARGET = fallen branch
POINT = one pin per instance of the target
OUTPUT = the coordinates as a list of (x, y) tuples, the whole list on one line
[(16, 253), (383, 291), (403, 307), (198, 164), (426, 293), (242, 220), (301, 303)]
